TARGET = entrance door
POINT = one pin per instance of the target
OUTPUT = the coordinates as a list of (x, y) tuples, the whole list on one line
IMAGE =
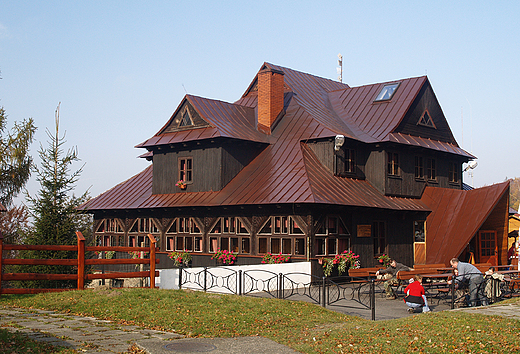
[(487, 243)]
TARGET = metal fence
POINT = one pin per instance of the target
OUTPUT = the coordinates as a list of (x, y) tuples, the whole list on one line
[(350, 292)]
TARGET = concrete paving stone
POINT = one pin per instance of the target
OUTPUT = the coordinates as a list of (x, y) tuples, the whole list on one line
[(130, 336), (98, 329), (162, 334), (9, 312), (115, 332), (39, 325), (78, 338), (48, 319), (239, 345)]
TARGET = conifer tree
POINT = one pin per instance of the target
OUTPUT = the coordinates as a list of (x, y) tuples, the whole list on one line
[(15, 161), (56, 219)]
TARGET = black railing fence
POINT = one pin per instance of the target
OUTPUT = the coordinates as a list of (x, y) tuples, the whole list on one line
[(342, 291)]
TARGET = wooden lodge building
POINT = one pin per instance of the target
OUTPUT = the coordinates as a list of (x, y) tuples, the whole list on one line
[(308, 167)]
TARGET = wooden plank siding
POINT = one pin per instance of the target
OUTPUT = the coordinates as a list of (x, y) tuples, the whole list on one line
[(497, 221), (207, 174), (406, 185), (214, 165)]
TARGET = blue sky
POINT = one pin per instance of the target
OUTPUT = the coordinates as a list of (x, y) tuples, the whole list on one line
[(120, 68)]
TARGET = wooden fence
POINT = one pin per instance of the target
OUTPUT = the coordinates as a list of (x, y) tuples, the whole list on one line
[(80, 263)]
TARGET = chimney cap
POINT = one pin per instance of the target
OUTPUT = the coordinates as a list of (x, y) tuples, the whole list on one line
[(271, 70)]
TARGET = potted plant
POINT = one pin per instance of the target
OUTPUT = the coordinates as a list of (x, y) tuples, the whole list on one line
[(384, 259), (275, 258), (343, 262), (224, 256), (181, 184), (181, 258)]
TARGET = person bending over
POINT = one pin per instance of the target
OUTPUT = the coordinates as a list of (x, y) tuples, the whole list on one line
[(415, 296), (470, 274)]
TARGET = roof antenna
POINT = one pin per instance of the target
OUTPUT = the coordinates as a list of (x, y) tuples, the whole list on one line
[(340, 69), (184, 88)]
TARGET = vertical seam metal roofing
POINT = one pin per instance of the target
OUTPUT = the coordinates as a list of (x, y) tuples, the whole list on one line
[(457, 212), (284, 172)]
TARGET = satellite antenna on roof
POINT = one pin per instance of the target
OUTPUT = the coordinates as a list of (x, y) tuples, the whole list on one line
[(340, 69)]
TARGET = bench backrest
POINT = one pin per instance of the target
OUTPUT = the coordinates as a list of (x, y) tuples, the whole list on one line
[(406, 275), (362, 272), (429, 266)]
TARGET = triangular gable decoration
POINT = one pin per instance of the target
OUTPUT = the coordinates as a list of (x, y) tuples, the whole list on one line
[(426, 120), (186, 119)]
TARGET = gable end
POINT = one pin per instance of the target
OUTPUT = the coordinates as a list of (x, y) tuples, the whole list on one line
[(416, 122), (185, 117)]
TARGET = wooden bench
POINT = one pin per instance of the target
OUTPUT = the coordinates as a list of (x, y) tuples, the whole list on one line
[(406, 275), (362, 272), (429, 266)]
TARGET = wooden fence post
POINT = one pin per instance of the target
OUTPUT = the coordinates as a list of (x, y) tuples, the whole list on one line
[(1, 258), (81, 260), (153, 243)]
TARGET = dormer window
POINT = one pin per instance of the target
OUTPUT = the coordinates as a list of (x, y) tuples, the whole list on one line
[(387, 92), (426, 120)]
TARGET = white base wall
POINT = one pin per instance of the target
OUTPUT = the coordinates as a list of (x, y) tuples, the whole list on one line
[(169, 278)]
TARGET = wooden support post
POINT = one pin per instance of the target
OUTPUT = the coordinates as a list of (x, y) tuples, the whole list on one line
[(81, 260), (153, 243)]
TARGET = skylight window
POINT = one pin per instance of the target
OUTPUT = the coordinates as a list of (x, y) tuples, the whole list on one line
[(387, 92)]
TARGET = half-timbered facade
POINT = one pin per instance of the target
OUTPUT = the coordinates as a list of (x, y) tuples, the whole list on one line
[(299, 165)]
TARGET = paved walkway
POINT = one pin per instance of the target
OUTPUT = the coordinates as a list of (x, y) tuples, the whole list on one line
[(91, 335)]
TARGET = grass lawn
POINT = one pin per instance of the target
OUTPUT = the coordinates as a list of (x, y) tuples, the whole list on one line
[(302, 326)]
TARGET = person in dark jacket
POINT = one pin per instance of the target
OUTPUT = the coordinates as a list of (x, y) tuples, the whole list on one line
[(391, 277)]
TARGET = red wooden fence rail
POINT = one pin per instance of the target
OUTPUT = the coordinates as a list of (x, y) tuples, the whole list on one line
[(80, 262)]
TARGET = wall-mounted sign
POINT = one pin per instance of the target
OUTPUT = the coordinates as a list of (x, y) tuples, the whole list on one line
[(364, 230)]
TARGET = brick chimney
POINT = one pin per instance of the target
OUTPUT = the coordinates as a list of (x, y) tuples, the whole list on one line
[(270, 98)]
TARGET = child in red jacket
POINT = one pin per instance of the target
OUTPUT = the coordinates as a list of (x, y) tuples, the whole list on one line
[(415, 295)]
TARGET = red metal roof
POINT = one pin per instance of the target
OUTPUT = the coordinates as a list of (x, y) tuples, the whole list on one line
[(225, 120), (456, 217), (407, 139), (286, 172)]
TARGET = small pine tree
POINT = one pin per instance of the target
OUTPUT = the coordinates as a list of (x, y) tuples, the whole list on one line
[(54, 210)]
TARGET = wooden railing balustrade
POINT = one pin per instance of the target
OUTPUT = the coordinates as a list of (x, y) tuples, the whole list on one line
[(80, 263)]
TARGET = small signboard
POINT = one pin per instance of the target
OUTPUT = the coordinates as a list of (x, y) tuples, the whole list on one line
[(364, 230)]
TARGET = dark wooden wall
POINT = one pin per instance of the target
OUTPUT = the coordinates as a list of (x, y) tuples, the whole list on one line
[(399, 235), (375, 169), (214, 164), (324, 151), (207, 173), (398, 227)]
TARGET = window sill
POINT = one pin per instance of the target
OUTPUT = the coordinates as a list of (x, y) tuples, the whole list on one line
[(394, 177)]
